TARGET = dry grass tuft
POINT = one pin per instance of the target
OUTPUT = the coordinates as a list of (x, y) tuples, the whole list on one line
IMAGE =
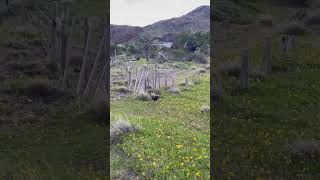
[(204, 108), (143, 97), (120, 128)]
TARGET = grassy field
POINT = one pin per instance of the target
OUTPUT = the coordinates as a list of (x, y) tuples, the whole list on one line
[(174, 138), (253, 129)]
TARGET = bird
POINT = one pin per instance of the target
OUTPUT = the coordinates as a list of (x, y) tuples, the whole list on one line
[(154, 96)]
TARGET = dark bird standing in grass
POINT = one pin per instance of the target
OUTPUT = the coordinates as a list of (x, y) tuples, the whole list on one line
[(154, 96)]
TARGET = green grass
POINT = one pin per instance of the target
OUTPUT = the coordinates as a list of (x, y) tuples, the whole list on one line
[(174, 140), (61, 146), (252, 129)]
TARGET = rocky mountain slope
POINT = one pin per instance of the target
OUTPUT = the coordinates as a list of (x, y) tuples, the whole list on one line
[(197, 20)]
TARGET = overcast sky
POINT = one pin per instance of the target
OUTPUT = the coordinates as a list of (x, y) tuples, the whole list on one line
[(145, 12)]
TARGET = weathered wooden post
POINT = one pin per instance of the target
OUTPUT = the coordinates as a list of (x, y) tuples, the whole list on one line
[(268, 57), (136, 81), (154, 84), (158, 75), (244, 73), (140, 79), (68, 34), (172, 82), (293, 42), (87, 94), (284, 44), (52, 42), (186, 82), (145, 77), (84, 73), (165, 81), (129, 80)]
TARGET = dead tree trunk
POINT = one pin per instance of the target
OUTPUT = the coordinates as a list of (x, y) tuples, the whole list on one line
[(158, 75), (84, 68), (52, 51), (93, 75), (268, 57), (165, 81), (172, 82), (147, 53), (244, 74), (64, 40), (66, 66)]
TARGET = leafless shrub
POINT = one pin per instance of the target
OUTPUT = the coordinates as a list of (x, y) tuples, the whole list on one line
[(123, 89), (120, 128), (201, 70), (143, 97)]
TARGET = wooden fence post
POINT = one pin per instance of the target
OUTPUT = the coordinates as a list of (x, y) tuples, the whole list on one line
[(68, 34), (158, 75), (95, 69), (172, 82), (284, 44), (83, 77), (186, 82), (154, 85), (268, 57), (244, 74), (136, 81), (140, 79), (87, 32), (165, 81), (129, 80), (145, 77), (52, 42), (293, 42)]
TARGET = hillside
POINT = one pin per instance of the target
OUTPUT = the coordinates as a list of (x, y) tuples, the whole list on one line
[(196, 20), (123, 33)]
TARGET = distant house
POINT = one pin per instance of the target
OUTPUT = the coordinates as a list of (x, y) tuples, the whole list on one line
[(166, 44), (120, 45)]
